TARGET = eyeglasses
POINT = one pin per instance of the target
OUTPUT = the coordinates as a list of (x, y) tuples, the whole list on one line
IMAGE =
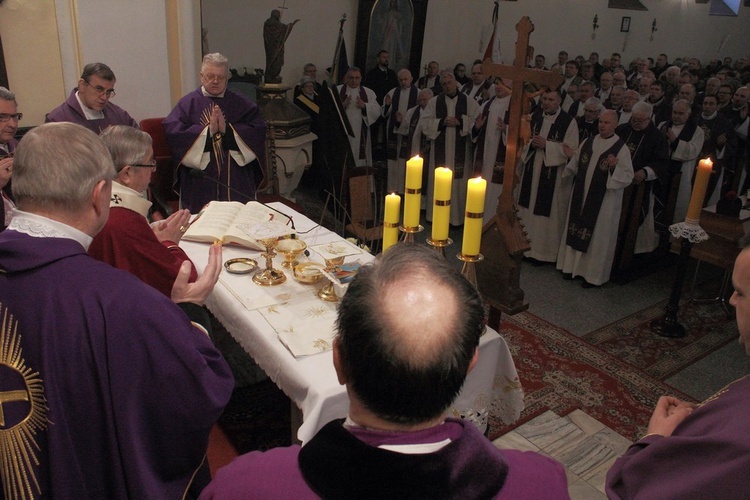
[(4, 117), (151, 165), (211, 78), (101, 90)]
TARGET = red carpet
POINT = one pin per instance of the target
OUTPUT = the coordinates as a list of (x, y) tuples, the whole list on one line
[(631, 340), (561, 372)]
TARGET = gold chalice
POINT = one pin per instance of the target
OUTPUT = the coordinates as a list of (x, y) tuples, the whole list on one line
[(290, 249), (269, 276), (328, 292)]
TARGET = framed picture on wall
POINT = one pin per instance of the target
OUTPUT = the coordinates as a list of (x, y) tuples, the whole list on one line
[(625, 24), (393, 25)]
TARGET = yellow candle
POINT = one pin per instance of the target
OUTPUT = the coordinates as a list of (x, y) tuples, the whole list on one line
[(390, 220), (413, 191), (441, 203), (705, 167), (414, 172), (474, 211)]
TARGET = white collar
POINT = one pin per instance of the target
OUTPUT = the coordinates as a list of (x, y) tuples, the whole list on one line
[(39, 226), (90, 114), (206, 94), (124, 197), (710, 117)]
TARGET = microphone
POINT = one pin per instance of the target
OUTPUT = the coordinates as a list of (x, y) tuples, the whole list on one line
[(201, 174)]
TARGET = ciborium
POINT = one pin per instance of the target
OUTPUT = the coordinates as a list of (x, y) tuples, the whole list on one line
[(269, 276)]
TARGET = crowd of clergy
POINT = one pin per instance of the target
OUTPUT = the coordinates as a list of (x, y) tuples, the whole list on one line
[(81, 192), (611, 142)]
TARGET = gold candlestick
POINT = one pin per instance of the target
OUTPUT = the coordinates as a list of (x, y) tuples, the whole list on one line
[(440, 245), (469, 269), (409, 232), (269, 276)]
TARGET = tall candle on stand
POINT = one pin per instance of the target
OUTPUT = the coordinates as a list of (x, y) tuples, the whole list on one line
[(475, 192), (441, 203), (705, 167), (390, 220), (413, 191)]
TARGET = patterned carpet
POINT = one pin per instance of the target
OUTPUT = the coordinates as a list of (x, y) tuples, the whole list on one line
[(561, 372), (708, 328), (613, 374)]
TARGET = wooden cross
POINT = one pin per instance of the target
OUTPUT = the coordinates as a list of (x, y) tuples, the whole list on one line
[(504, 240)]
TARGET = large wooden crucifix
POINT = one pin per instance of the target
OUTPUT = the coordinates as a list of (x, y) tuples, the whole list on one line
[(504, 240)]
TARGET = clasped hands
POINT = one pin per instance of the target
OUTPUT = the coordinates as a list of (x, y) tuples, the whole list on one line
[(217, 122)]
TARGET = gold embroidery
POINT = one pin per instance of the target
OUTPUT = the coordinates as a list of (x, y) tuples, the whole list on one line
[(18, 445)]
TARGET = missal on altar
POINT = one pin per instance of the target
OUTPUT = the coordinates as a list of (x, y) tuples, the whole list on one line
[(224, 221)]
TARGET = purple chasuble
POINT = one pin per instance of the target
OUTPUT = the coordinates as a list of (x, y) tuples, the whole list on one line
[(707, 455), (344, 462), (70, 111), (186, 124), (109, 379)]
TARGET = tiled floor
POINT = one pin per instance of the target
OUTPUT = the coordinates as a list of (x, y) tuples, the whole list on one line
[(586, 447)]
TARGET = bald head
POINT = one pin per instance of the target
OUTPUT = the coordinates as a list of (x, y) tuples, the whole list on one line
[(404, 78), (408, 328)]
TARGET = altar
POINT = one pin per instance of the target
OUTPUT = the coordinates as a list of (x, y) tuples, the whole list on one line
[(249, 312)]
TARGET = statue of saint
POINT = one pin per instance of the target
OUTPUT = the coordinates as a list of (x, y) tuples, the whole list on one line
[(275, 34)]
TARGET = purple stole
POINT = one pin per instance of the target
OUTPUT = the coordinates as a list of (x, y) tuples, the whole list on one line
[(392, 139), (546, 188), (424, 144), (497, 170), (586, 130), (582, 218), (364, 130), (441, 111)]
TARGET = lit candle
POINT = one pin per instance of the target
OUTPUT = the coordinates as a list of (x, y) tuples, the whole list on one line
[(705, 167), (390, 220), (413, 200), (441, 203), (474, 212)]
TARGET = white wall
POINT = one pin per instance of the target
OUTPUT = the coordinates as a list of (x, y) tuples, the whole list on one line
[(46, 43), (454, 30), (130, 37)]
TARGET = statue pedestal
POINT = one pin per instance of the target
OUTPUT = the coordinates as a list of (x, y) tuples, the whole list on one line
[(289, 147)]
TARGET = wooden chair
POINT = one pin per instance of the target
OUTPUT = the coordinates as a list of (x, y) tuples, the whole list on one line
[(363, 199), (161, 191)]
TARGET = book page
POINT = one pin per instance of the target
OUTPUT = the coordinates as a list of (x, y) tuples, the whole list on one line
[(213, 221), (252, 213)]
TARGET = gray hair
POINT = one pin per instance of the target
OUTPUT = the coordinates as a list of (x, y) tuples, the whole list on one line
[(215, 59), (7, 95), (644, 107), (594, 101), (99, 69), (425, 92), (126, 144), (57, 165)]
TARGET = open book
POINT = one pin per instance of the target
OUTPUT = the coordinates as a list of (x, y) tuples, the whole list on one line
[(220, 220)]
